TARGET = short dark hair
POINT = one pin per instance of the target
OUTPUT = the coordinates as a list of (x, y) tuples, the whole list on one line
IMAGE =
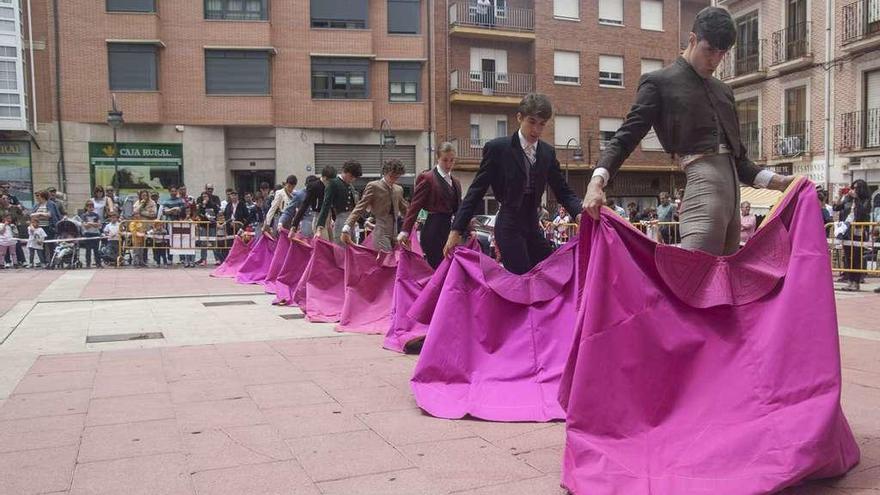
[(716, 26), (291, 179), (394, 167), (264, 185), (536, 105), (352, 167), (229, 190), (328, 172)]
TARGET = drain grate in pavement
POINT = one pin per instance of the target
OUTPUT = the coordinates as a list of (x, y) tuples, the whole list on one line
[(295, 316), (227, 303), (123, 337)]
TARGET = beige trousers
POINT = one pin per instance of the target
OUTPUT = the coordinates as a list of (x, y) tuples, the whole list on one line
[(710, 219)]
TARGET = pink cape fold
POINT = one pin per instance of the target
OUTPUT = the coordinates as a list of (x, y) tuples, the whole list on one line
[(295, 263), (368, 241), (412, 274), (416, 242), (369, 285), (727, 382), (321, 291), (236, 257), (282, 246), (497, 342), (255, 267)]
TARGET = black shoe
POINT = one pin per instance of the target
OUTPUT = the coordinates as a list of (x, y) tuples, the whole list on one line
[(414, 346)]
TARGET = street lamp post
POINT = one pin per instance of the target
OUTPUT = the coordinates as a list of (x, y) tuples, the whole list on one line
[(577, 156), (115, 121), (386, 140)]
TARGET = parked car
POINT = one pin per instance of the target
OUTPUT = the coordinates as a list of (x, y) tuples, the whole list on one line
[(484, 227)]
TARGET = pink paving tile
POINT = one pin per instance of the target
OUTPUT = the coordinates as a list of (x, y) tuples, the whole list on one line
[(66, 362), (373, 399), (287, 394), (306, 421), (546, 485), (133, 366), (41, 433), (45, 404), (552, 436), (163, 474), (406, 482), (217, 448), (260, 479), (103, 443), (336, 380), (190, 353), (202, 390), (113, 385), (467, 464), (412, 426), (860, 354), (129, 409), (245, 349), (200, 416), (198, 371), (259, 375), (37, 471), (55, 382), (152, 353), (548, 461), (257, 360), (343, 455)]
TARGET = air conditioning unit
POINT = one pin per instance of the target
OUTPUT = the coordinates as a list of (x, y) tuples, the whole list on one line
[(790, 145)]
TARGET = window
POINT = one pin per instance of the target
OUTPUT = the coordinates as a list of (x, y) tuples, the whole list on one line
[(404, 79), (750, 132), (567, 9), (132, 67), (404, 16), (340, 78), (131, 5), (8, 75), (237, 10), (485, 127), (567, 127), (611, 12), (339, 14), (10, 105), (871, 113), (607, 130), (610, 71), (652, 15), (7, 20), (747, 45), (500, 126), (566, 67), (651, 65), (795, 105), (237, 72)]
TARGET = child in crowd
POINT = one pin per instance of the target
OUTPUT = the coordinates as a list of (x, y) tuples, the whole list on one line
[(8, 240), (111, 232), (159, 235), (36, 236)]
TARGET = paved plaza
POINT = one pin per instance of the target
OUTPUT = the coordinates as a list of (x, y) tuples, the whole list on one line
[(241, 397)]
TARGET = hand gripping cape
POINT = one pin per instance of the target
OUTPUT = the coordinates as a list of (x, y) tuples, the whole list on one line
[(321, 290), (692, 373), (497, 342), (236, 257), (254, 268), (369, 285), (291, 272), (281, 248)]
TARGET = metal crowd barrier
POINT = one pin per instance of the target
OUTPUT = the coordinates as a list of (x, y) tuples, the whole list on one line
[(175, 235), (854, 249)]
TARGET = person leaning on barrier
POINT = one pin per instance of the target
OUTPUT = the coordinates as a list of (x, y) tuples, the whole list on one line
[(235, 214), (853, 250)]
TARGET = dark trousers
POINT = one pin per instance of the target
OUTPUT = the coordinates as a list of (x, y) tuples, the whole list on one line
[(92, 246), (520, 241), (433, 237)]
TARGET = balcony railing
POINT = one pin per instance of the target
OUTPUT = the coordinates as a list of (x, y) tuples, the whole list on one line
[(859, 130), (790, 140), (861, 20), (743, 60), (791, 43), (507, 18), (750, 135), (470, 149), (491, 83)]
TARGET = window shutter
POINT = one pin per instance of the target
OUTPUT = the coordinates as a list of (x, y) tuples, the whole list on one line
[(566, 8), (651, 65), (611, 11), (567, 127), (652, 15), (566, 66)]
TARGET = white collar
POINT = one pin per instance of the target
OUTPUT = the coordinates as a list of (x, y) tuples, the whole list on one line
[(445, 175), (523, 142)]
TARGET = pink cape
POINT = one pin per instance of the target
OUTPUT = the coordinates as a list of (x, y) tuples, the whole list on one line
[(254, 268), (369, 285), (291, 272), (321, 290), (278, 256), (412, 274), (692, 373), (236, 257), (497, 342)]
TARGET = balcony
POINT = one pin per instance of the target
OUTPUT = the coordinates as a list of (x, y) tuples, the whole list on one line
[(744, 64), (470, 150), (489, 88), (861, 26), (505, 23), (790, 140), (859, 131), (750, 135), (791, 48)]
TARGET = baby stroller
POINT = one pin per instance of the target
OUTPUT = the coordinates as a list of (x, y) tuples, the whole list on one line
[(66, 252)]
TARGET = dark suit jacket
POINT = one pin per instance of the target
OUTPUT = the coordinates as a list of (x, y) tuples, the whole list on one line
[(241, 215), (434, 194), (336, 199), (312, 202), (682, 108), (504, 169)]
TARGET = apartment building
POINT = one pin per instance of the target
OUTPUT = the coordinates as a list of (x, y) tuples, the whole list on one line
[(230, 92), (587, 56), (806, 75)]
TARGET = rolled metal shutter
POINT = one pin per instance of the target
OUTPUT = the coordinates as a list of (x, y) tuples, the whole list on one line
[(368, 156)]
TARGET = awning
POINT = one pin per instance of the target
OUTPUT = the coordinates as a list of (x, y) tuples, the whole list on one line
[(760, 199), (138, 42), (270, 49)]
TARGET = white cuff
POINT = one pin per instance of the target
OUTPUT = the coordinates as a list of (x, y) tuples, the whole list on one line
[(762, 180), (603, 173), (402, 236), (346, 229)]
